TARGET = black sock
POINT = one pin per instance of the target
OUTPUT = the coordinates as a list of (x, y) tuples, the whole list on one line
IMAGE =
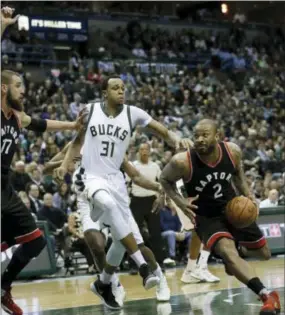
[(18, 262), (255, 285), (21, 257)]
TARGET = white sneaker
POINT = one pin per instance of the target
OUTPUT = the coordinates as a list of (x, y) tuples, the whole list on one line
[(169, 262), (204, 275), (119, 293), (187, 277), (162, 290)]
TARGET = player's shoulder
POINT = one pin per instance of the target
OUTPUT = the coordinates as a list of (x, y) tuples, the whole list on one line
[(234, 149), (180, 159)]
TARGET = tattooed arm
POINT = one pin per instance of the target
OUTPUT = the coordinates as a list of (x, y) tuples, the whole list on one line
[(239, 178), (176, 169)]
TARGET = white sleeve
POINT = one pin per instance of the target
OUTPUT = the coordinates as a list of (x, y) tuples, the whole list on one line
[(139, 117)]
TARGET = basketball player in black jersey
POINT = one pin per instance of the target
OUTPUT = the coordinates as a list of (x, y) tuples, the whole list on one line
[(212, 172), (17, 223)]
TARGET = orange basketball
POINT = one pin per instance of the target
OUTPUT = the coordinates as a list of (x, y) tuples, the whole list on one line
[(241, 212)]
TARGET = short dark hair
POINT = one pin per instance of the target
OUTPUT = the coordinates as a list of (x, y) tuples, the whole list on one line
[(105, 81), (6, 76)]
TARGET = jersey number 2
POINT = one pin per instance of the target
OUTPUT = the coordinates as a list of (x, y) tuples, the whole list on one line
[(108, 148), (6, 146), (218, 188)]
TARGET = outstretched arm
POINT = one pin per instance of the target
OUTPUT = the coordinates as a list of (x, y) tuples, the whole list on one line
[(138, 178), (42, 125), (55, 161), (168, 136)]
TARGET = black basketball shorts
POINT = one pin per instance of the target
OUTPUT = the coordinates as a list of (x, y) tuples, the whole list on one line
[(211, 230), (17, 223)]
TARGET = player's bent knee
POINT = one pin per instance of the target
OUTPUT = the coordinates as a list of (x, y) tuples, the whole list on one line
[(265, 252), (226, 249), (103, 200), (34, 247)]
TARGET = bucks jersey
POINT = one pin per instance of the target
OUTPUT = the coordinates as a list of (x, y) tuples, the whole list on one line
[(213, 183), (10, 131), (107, 138)]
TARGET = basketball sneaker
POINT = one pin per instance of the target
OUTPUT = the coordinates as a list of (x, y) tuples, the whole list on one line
[(7, 303), (105, 294), (271, 304), (187, 277), (149, 279), (199, 274), (119, 293), (162, 290), (204, 275)]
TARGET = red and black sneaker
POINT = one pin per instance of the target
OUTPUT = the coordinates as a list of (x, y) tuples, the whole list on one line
[(271, 304), (7, 303)]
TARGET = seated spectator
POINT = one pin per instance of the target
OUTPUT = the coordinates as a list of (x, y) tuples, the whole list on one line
[(62, 199), (171, 227), (19, 178), (271, 201), (55, 219), (77, 239), (33, 195)]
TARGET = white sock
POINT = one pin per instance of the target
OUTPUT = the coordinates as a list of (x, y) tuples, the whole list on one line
[(115, 279), (203, 259), (137, 257), (105, 277), (158, 272), (192, 263), (264, 291)]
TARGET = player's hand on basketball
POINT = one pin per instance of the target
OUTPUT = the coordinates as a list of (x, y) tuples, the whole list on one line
[(184, 144), (59, 173), (6, 16)]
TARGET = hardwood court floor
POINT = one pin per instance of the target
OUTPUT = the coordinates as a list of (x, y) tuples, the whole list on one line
[(229, 297)]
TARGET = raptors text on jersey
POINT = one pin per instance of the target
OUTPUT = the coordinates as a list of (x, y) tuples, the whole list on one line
[(213, 183)]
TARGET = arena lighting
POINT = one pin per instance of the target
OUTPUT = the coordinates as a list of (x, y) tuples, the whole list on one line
[(224, 8)]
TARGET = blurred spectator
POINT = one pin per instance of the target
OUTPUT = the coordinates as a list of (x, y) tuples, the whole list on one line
[(271, 201), (171, 230), (19, 178), (33, 195)]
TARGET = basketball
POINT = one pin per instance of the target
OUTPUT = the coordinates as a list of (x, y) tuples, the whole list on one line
[(241, 212)]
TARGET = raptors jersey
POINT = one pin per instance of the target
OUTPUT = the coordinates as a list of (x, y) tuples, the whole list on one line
[(213, 183), (107, 138), (10, 131)]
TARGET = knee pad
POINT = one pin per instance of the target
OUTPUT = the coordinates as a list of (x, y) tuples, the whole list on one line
[(115, 254), (33, 248)]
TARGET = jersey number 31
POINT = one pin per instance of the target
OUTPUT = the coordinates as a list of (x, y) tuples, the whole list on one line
[(107, 148)]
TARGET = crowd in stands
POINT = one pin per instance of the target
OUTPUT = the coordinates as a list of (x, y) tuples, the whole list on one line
[(247, 100)]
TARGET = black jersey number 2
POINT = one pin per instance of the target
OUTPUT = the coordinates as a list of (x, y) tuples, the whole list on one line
[(108, 148)]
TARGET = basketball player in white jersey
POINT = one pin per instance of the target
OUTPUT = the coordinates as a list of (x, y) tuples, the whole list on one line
[(106, 139), (94, 231)]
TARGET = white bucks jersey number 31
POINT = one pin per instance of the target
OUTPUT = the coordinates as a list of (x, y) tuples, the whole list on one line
[(107, 138)]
